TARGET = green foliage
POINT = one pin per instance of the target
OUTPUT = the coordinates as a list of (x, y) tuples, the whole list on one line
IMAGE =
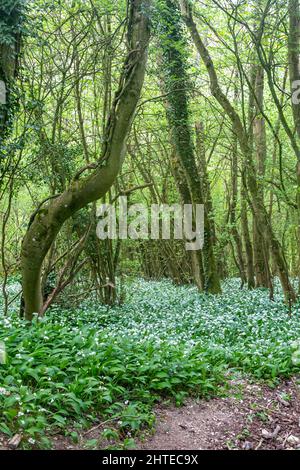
[(173, 43), (12, 15), (167, 341), (11, 20), (296, 352)]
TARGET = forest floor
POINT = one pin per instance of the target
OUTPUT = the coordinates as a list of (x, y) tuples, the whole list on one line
[(251, 416), (168, 369)]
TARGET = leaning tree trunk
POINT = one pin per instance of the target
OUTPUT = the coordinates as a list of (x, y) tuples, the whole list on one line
[(47, 222), (257, 202)]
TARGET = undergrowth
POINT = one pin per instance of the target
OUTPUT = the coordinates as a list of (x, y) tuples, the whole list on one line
[(164, 342)]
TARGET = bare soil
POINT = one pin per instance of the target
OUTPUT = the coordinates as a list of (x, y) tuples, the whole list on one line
[(251, 417)]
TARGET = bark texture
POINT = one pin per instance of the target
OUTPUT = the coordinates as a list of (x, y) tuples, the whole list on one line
[(175, 84), (257, 203), (9, 54), (48, 221)]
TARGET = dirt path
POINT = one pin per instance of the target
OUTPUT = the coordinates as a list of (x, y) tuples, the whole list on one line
[(251, 416)]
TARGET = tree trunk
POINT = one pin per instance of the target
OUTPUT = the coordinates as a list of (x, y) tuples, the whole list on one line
[(247, 241), (294, 70), (257, 202), (195, 256), (47, 223), (11, 21), (232, 218), (175, 83), (260, 246)]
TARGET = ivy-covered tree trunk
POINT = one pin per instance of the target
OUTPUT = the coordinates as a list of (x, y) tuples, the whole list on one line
[(186, 198), (11, 15), (47, 222), (175, 77)]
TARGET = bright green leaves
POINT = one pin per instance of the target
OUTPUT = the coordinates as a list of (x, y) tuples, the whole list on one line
[(165, 342)]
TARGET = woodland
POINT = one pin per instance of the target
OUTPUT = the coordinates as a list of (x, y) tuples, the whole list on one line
[(162, 102)]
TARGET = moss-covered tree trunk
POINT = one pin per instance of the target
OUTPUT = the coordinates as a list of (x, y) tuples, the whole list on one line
[(186, 198), (47, 222)]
